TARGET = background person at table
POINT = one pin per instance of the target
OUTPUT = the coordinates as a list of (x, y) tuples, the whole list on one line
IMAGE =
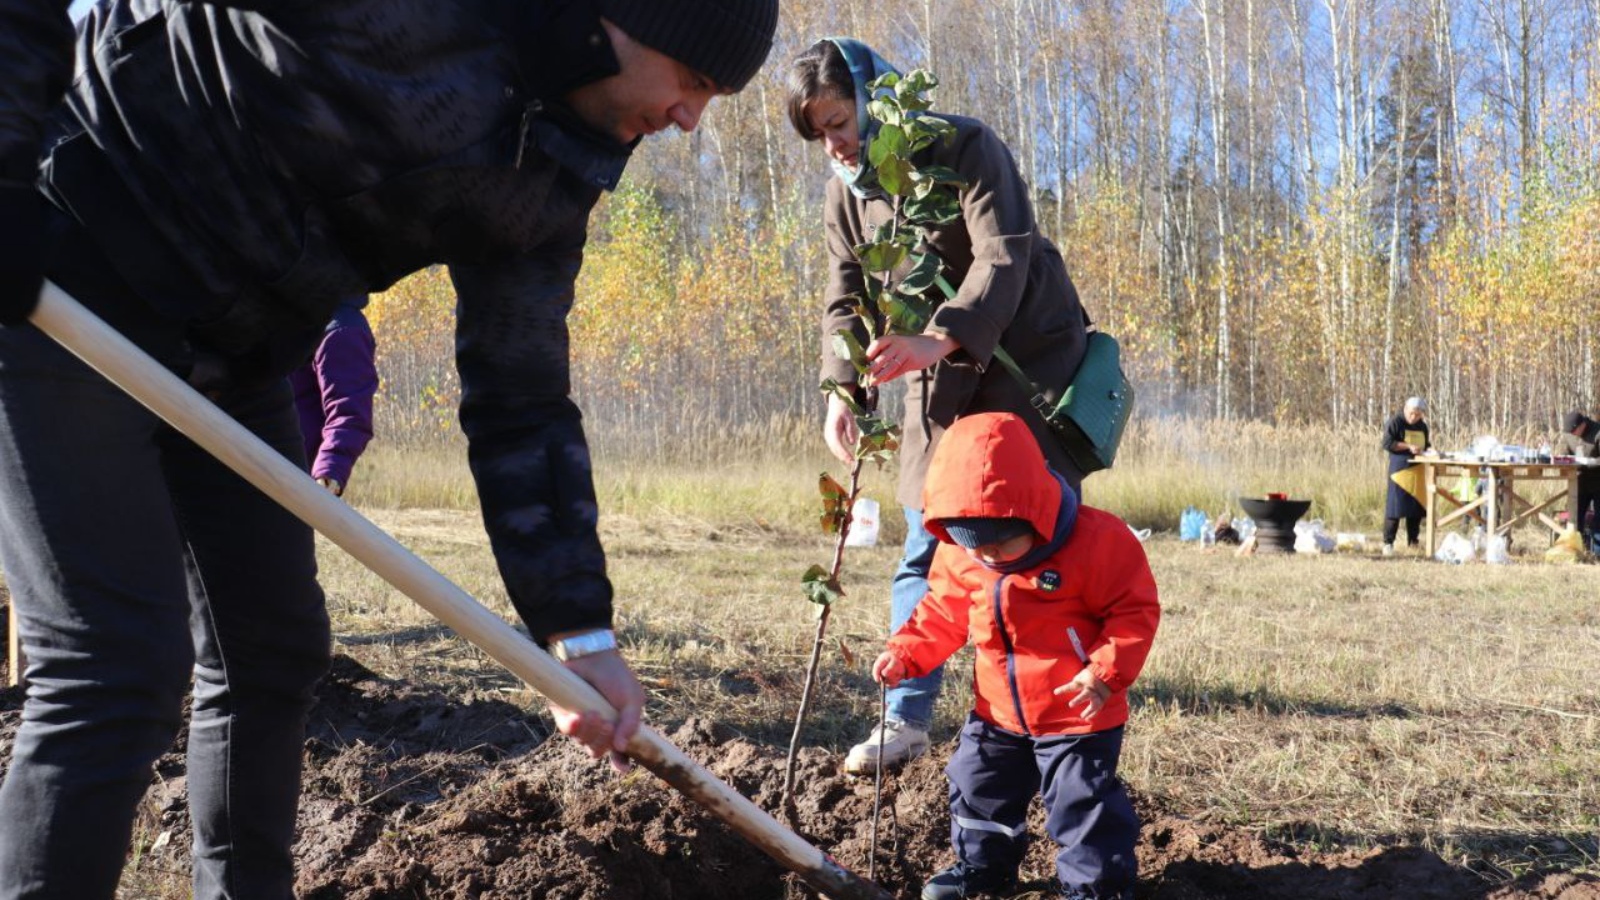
[(1405, 437), (1012, 291), (333, 396), (1580, 437)]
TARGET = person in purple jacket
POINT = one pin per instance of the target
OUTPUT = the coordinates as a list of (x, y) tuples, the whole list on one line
[(333, 396)]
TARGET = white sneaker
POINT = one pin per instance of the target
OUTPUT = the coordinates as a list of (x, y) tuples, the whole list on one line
[(1388, 549), (898, 742)]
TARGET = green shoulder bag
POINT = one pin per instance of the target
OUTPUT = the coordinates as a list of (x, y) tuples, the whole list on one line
[(1090, 414)]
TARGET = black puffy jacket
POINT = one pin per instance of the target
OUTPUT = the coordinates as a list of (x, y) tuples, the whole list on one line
[(245, 165)]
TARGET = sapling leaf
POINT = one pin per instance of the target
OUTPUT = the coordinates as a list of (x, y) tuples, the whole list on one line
[(939, 207), (835, 504), (881, 257), (884, 111), (943, 175), (889, 141), (894, 175), (830, 386), (819, 588), (924, 269), (848, 348), (916, 82)]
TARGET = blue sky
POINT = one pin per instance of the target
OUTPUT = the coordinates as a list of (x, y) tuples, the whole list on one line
[(78, 6)]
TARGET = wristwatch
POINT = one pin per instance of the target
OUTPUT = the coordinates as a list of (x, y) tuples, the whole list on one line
[(597, 641)]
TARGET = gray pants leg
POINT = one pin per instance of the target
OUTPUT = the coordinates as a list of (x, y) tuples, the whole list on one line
[(134, 560)]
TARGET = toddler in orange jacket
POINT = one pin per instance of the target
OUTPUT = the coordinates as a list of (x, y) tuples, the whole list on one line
[(1061, 605)]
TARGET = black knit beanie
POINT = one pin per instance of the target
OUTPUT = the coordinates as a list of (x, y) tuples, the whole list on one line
[(727, 40), (1572, 421), (976, 531)]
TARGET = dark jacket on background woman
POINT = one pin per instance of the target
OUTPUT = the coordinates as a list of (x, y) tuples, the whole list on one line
[(1012, 291)]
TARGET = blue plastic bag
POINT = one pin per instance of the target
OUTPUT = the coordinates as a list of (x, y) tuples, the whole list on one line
[(1191, 525)]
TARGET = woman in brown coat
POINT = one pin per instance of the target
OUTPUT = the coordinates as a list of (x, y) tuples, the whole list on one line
[(1012, 291)]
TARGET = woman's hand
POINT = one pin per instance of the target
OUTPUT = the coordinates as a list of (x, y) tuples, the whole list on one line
[(839, 429), (894, 355), (887, 670)]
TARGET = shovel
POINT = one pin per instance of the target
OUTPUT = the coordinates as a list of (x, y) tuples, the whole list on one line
[(125, 365)]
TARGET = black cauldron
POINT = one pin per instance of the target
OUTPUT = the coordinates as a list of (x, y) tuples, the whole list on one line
[(1274, 521)]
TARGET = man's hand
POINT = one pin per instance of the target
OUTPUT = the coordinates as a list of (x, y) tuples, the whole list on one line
[(1087, 691), (894, 355), (332, 484), (609, 675), (888, 670), (21, 250), (839, 430)]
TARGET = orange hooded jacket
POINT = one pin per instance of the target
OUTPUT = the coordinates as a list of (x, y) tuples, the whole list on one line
[(1084, 596)]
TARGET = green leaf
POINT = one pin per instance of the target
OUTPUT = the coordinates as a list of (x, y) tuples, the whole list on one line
[(884, 111), (819, 588), (895, 176), (907, 314), (886, 80), (924, 269), (883, 256), (831, 386), (889, 141), (848, 348), (918, 81), (878, 439), (937, 208), (943, 175)]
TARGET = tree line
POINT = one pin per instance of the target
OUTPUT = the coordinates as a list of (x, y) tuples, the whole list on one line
[(1289, 210)]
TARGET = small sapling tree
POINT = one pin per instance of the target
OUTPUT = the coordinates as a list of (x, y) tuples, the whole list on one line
[(899, 271)]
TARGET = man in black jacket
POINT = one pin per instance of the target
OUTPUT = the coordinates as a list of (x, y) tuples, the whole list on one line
[(216, 178)]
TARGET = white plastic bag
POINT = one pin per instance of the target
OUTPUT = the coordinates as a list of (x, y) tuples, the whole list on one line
[(1313, 537), (1454, 549), (863, 523), (1143, 534)]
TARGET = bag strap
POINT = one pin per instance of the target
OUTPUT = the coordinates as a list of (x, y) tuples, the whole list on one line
[(1038, 401)]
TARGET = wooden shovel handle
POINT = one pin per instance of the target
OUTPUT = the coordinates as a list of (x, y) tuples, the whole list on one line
[(125, 365)]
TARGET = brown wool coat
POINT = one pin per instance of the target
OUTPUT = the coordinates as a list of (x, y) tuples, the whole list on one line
[(1012, 290)]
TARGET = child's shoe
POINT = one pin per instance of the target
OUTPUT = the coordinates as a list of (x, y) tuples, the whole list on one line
[(962, 882), (896, 744)]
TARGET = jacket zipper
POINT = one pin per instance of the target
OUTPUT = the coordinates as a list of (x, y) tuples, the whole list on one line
[(1077, 645), (531, 109), (1011, 657)]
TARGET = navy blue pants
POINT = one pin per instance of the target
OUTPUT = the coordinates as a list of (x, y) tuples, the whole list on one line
[(137, 563), (994, 774)]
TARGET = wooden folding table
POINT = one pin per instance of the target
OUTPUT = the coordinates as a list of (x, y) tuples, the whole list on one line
[(1498, 506)]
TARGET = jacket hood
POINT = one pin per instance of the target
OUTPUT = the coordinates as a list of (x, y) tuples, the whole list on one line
[(865, 65), (989, 464)]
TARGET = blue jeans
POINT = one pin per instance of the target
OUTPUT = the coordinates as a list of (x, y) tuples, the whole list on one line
[(137, 562), (911, 701)]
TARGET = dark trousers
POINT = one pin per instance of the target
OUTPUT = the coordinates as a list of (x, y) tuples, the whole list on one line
[(1391, 529), (136, 561), (994, 774)]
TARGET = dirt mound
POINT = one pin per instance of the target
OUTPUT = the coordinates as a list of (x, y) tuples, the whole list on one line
[(410, 793)]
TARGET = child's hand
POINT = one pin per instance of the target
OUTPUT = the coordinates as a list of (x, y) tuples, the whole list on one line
[(1085, 690), (887, 670)]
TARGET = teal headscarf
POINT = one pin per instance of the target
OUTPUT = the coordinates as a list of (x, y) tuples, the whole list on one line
[(865, 65)]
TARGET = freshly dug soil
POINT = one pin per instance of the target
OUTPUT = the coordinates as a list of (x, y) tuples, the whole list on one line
[(410, 793)]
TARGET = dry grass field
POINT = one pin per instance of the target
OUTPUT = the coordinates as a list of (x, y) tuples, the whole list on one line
[(1337, 704), (1336, 700)]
